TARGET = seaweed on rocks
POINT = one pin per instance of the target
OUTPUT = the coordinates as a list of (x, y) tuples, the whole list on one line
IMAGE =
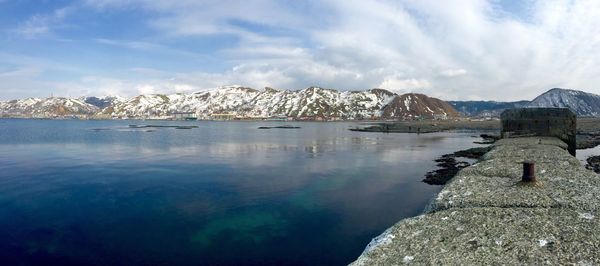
[(449, 165), (586, 140), (488, 139), (163, 126), (283, 127), (472, 153), (593, 163)]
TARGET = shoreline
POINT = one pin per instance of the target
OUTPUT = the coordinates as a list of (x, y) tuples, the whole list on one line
[(201, 120)]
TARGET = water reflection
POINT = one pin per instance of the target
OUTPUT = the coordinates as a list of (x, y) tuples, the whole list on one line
[(224, 193)]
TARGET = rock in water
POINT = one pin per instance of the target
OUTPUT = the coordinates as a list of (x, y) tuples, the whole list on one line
[(593, 163)]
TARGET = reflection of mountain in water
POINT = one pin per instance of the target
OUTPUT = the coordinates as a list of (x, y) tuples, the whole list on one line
[(221, 186)]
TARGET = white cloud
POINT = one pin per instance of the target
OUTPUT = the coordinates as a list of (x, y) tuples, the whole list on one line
[(404, 85), (146, 89), (149, 47), (463, 49), (393, 83), (453, 72), (149, 82), (34, 27), (24, 72), (42, 24)]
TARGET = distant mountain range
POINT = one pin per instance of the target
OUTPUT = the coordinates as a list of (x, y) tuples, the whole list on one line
[(310, 103), (584, 104), (49, 107), (241, 102), (485, 108)]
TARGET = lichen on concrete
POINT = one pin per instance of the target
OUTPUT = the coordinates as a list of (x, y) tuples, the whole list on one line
[(532, 141), (570, 189), (490, 236), (507, 155), (485, 215)]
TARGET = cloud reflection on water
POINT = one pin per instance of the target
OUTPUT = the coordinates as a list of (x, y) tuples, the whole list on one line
[(322, 184)]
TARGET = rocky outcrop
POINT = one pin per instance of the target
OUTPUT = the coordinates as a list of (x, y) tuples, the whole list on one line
[(102, 102), (593, 163)]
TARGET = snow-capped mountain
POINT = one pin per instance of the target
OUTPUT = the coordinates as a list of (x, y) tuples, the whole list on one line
[(49, 107), (581, 103), (240, 101)]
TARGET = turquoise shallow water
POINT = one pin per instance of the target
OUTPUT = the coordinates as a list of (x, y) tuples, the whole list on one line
[(225, 193)]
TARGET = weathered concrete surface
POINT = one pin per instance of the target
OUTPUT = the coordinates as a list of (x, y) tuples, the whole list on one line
[(489, 236), (486, 216)]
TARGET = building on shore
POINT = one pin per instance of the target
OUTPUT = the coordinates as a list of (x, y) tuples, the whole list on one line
[(279, 118), (440, 116), (184, 116), (222, 116)]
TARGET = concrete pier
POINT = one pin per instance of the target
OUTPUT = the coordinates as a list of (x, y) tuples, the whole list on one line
[(487, 216)]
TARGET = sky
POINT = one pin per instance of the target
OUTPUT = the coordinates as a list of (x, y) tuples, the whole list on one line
[(453, 50)]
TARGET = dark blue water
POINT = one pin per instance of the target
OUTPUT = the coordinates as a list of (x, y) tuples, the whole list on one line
[(225, 193)]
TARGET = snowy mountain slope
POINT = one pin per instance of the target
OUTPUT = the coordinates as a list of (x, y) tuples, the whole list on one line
[(309, 102), (312, 102), (49, 107), (316, 101), (581, 103), (221, 100)]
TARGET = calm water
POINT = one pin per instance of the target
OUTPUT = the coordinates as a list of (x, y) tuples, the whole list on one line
[(99, 192), (582, 155)]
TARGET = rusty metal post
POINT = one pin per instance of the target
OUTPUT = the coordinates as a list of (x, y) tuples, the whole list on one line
[(528, 171)]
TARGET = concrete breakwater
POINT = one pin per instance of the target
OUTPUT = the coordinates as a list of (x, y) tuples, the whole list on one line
[(485, 215)]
